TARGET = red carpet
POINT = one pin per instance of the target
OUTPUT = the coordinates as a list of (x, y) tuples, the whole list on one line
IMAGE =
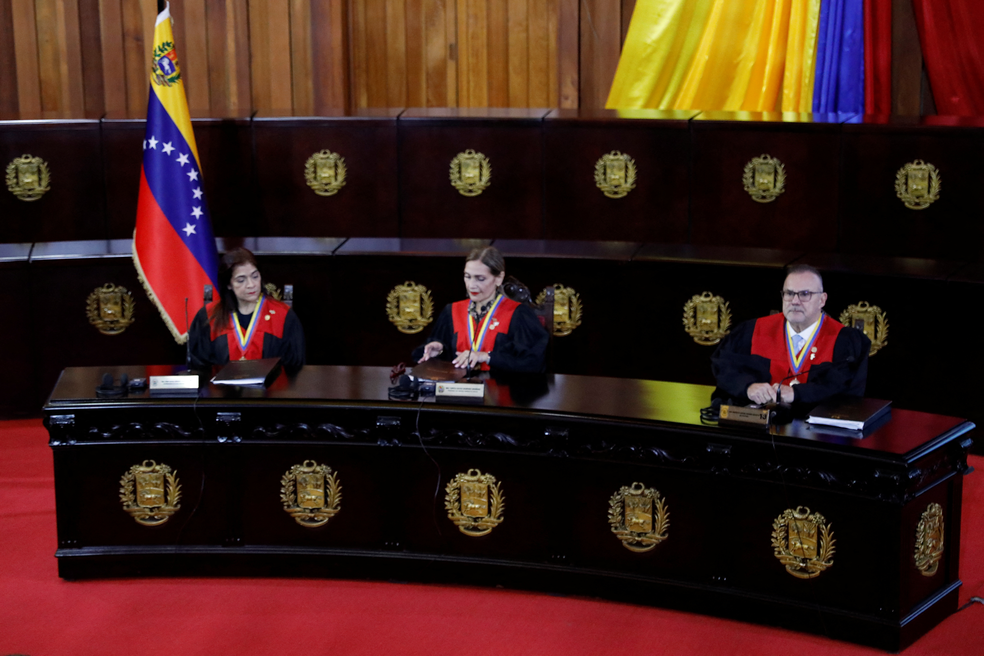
[(40, 614)]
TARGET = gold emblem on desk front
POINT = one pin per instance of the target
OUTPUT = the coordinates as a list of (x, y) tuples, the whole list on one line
[(474, 502), (324, 172), (110, 309), (615, 174), (639, 517), (311, 493), (567, 309), (409, 307), (917, 184), (870, 320), (929, 540), (28, 177), (471, 173), (764, 178), (803, 542), (706, 318), (150, 493)]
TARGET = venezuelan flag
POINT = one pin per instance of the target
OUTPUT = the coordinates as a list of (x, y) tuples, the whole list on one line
[(173, 244)]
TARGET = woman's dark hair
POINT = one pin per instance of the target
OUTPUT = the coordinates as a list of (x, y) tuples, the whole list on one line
[(219, 318), (490, 257)]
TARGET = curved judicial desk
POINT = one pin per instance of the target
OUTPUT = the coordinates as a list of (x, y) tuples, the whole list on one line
[(579, 464)]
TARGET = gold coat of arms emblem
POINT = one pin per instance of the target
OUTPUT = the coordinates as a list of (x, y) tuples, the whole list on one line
[(870, 320), (474, 502), (615, 174), (567, 309), (639, 517), (409, 307), (311, 493), (471, 173), (929, 540), (706, 318), (28, 177), (110, 309), (764, 178), (150, 493), (325, 172), (917, 184), (803, 542)]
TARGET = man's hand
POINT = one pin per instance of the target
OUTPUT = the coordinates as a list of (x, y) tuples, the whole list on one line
[(786, 393), (761, 393), (432, 350), (470, 359)]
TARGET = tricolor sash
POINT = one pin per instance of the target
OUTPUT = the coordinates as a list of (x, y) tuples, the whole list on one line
[(476, 334), (244, 336), (796, 360)]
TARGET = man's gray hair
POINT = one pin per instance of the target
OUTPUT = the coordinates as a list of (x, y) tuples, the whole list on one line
[(805, 268)]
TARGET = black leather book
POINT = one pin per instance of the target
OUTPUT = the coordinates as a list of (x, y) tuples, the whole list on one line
[(850, 413), (248, 372)]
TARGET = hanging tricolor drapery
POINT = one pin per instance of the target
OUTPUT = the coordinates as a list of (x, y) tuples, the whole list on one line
[(743, 55), (173, 247)]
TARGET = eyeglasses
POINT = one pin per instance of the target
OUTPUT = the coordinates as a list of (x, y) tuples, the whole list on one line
[(804, 296)]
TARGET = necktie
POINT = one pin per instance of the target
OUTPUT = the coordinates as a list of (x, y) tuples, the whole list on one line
[(798, 343)]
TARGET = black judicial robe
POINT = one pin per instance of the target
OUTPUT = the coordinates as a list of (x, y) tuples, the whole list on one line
[(735, 368), (522, 349), (280, 336)]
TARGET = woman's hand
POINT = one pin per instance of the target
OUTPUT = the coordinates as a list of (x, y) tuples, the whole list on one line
[(432, 350), (470, 359)]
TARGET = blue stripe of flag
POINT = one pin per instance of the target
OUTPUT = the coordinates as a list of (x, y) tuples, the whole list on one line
[(176, 182)]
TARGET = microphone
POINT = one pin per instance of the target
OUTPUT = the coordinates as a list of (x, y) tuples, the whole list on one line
[(187, 337)]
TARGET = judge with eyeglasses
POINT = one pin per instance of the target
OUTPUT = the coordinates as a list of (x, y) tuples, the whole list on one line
[(801, 356)]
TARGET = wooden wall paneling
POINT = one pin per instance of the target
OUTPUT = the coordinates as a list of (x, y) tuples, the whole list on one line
[(473, 53), (366, 206), (191, 39), (74, 206), (26, 52), (301, 58), (8, 62), (628, 6), (137, 47), (509, 208), (454, 54), (330, 55), (530, 70), (377, 53), (228, 56), (417, 33), (568, 54), (270, 54), (225, 148), (872, 217), (93, 83), (396, 53), (723, 213), (502, 47), (112, 54), (359, 55), (553, 60), (60, 56), (656, 210), (601, 29)]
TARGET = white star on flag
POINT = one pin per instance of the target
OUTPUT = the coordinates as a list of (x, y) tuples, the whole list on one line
[(189, 230), (197, 191), (168, 148), (182, 159), (153, 143), (196, 212), (192, 175)]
